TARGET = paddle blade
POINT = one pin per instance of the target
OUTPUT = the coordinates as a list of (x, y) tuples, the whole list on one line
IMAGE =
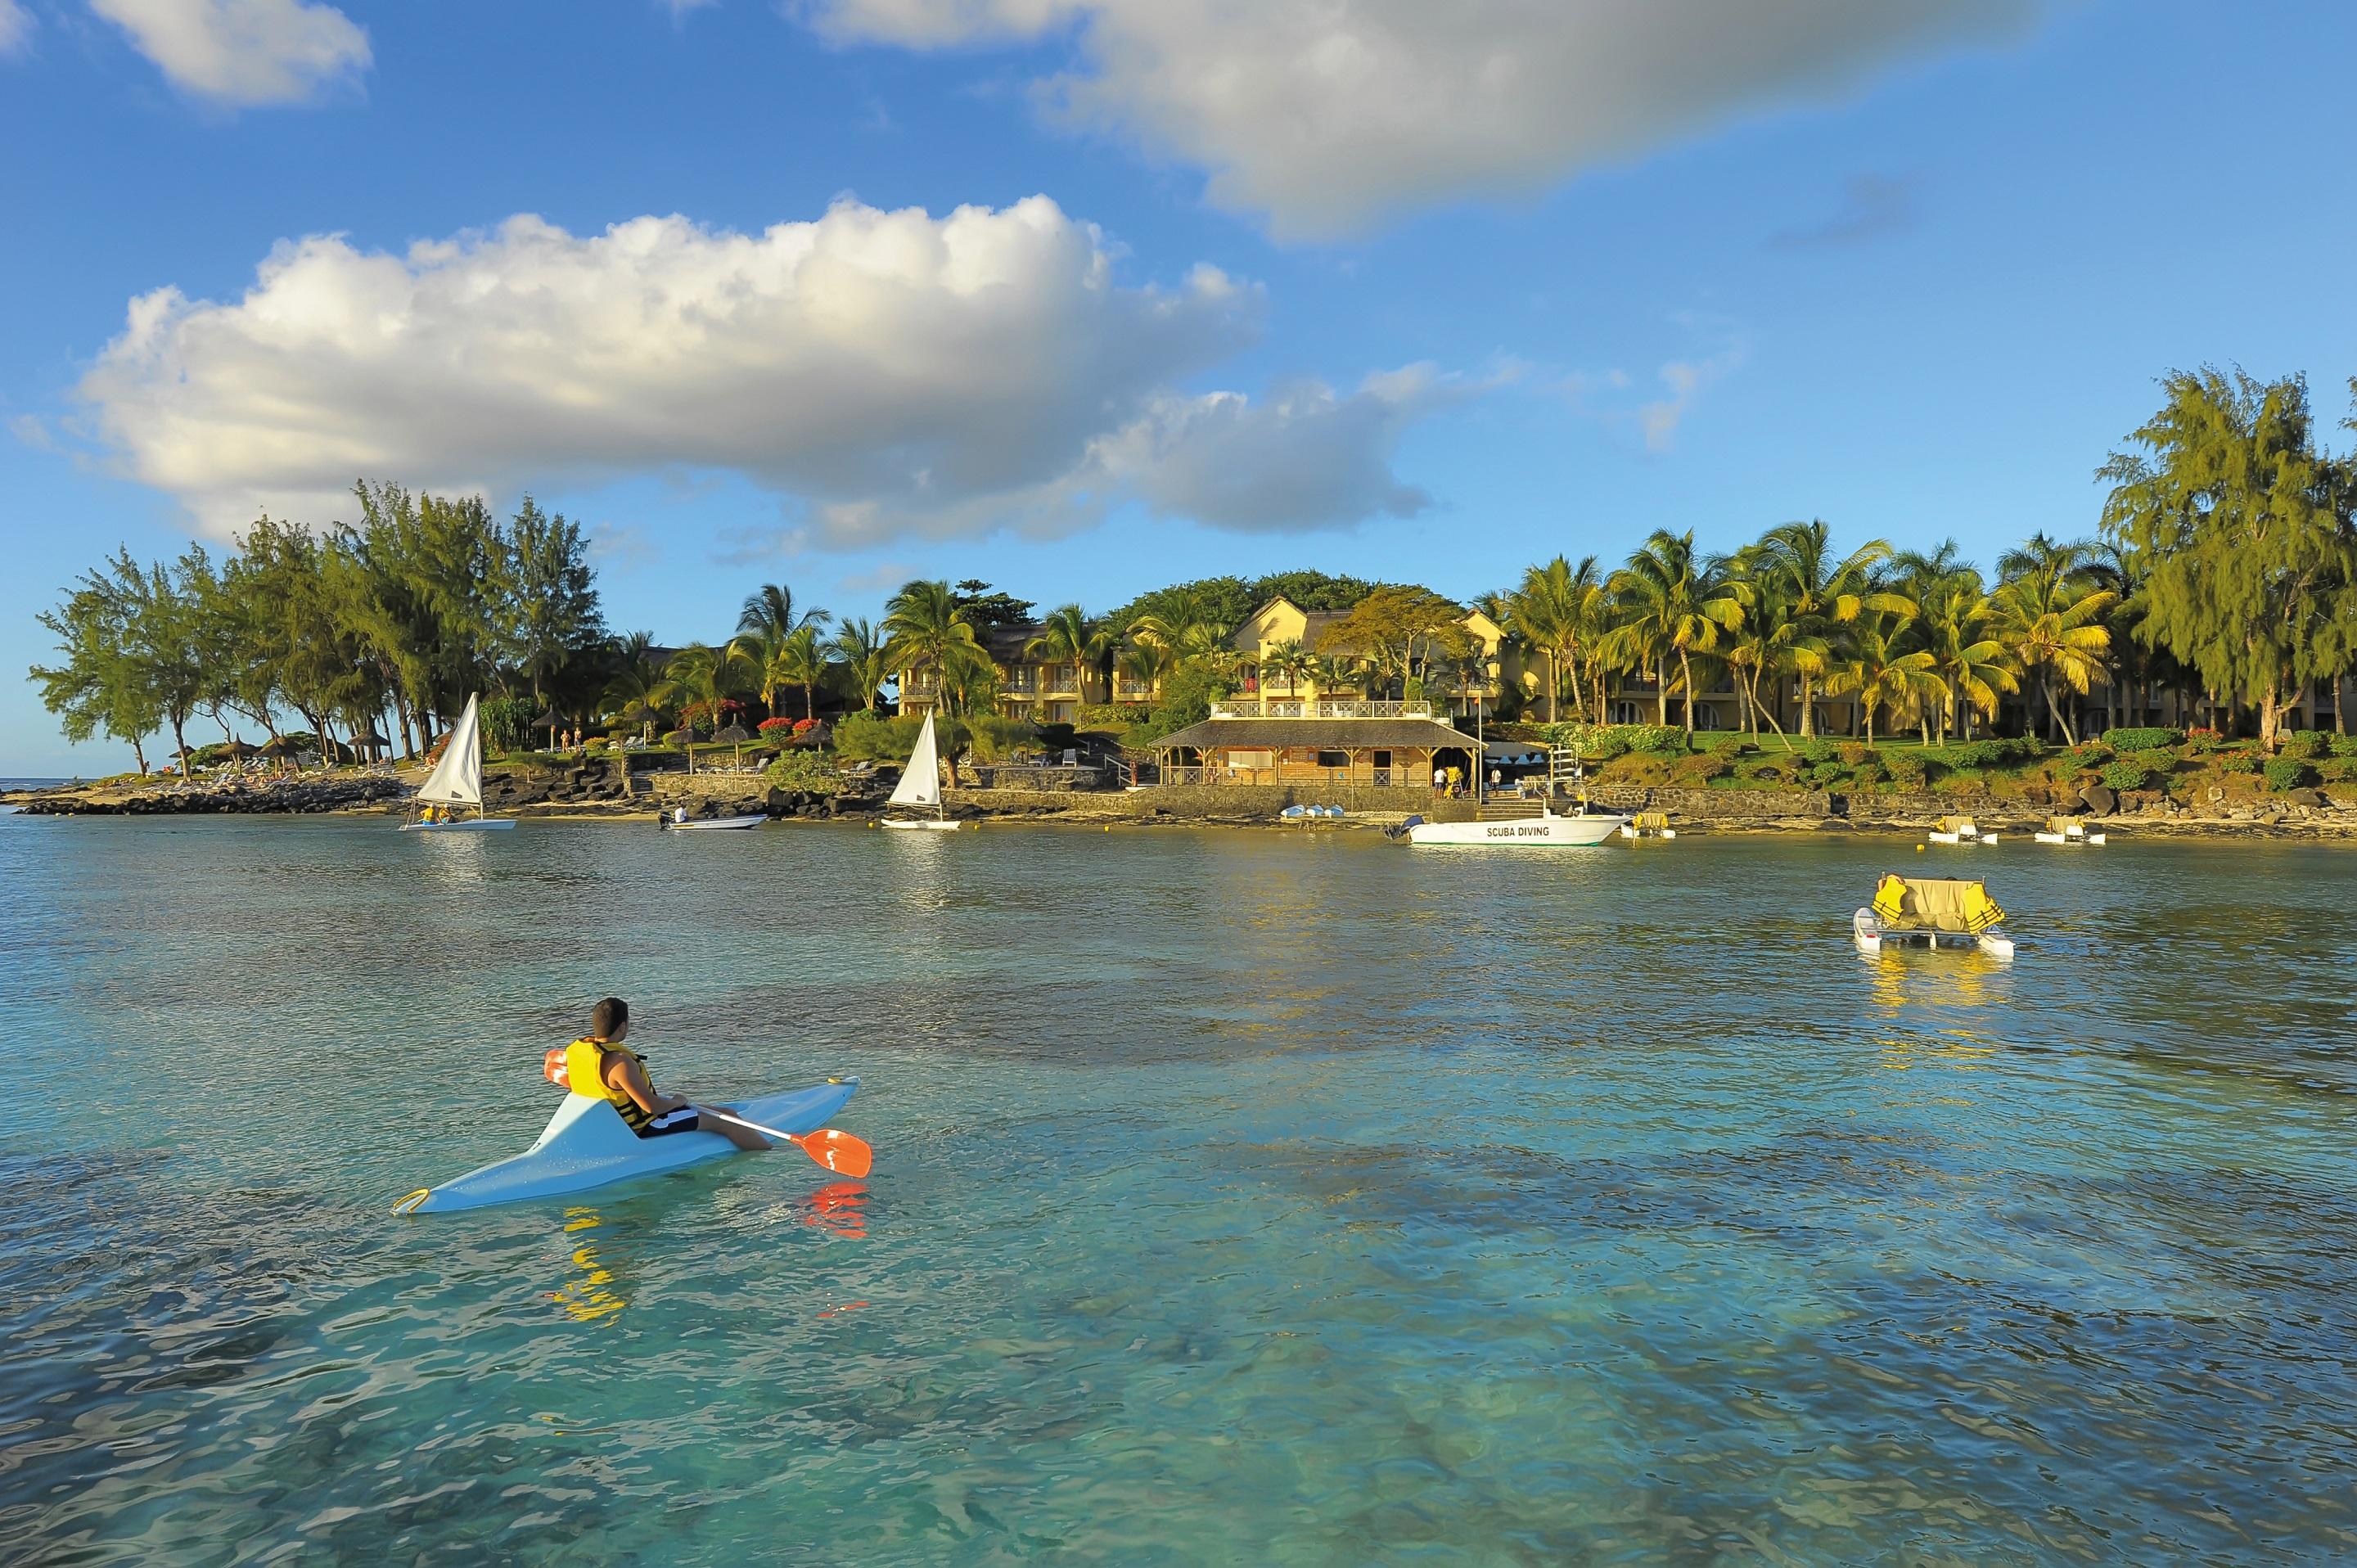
[(838, 1152)]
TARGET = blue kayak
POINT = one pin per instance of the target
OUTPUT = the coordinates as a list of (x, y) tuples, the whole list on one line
[(587, 1144)]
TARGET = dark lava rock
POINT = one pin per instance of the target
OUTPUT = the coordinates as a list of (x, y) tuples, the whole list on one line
[(2099, 799)]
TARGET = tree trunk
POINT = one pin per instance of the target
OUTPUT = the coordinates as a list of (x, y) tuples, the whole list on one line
[(180, 742), (810, 702), (1808, 707), (2270, 716), (1661, 696), (139, 755), (1555, 682), (1686, 673)]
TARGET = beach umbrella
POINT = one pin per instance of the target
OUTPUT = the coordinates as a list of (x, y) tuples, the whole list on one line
[(737, 736), (684, 738), (278, 745), (237, 749)]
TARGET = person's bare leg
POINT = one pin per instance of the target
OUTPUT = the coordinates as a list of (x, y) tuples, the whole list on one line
[(743, 1137)]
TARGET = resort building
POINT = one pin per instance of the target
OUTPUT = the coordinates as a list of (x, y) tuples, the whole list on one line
[(1279, 641), (1324, 741)]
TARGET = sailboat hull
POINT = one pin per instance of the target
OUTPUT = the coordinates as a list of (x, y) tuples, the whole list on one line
[(481, 826), (924, 824)]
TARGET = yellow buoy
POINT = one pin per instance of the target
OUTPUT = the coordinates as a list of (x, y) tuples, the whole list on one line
[(1918, 849)]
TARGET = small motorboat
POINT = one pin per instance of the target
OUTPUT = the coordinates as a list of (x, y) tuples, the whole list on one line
[(1958, 830), (2066, 830), (1549, 829), (1649, 825), (1939, 913), (682, 823)]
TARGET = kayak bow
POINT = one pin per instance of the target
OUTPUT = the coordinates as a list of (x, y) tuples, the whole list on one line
[(587, 1144)]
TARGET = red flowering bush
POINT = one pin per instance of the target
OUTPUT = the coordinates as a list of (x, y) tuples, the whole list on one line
[(803, 726), (774, 728)]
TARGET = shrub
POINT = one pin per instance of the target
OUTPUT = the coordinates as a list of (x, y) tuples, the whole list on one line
[(1868, 772), (2203, 741), (2338, 770), (1668, 740), (1700, 769), (2159, 763), (2235, 762), (811, 772), (1825, 775), (1995, 752), (2344, 745), (872, 737), (1817, 751), (2124, 775), (1909, 771), (1602, 743), (1731, 745), (1853, 752), (2305, 745), (2091, 753), (2144, 739), (2288, 773), (774, 729), (507, 723)]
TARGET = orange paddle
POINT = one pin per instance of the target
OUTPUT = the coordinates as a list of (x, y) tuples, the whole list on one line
[(838, 1152)]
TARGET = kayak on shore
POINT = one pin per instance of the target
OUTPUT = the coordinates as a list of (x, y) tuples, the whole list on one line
[(587, 1144)]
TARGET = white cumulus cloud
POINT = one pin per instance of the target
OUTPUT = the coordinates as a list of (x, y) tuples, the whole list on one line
[(886, 373), (241, 53), (16, 27), (1327, 114)]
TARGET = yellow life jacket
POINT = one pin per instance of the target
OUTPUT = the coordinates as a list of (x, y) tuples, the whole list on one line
[(585, 1073)]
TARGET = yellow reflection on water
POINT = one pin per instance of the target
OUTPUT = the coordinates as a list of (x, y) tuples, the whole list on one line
[(1896, 981), (587, 1296)]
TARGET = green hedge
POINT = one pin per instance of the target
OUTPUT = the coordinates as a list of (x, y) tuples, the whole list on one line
[(2344, 745), (2306, 745), (2288, 773), (1996, 752), (2338, 770), (2125, 774), (2143, 739), (1602, 743)]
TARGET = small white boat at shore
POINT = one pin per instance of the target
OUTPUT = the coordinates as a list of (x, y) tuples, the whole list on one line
[(1939, 913), (921, 785), (682, 823), (2066, 830), (457, 781), (1958, 830), (1649, 825), (1545, 831)]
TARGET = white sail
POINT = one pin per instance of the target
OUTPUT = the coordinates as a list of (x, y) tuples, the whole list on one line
[(457, 779), (920, 781)]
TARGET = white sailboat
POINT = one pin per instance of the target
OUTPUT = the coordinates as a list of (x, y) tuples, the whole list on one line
[(921, 785), (457, 781)]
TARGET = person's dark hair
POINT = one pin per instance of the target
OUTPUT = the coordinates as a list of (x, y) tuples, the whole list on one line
[(608, 1016)]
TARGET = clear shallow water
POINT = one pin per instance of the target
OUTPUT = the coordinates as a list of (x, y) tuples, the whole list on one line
[(1241, 1196)]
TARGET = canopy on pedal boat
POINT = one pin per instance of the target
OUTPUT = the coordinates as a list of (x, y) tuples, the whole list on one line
[(1934, 904)]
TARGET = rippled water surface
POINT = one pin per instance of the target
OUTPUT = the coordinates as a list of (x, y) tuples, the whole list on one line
[(1241, 1196)]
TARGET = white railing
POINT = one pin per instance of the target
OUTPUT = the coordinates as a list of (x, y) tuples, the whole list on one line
[(1317, 708)]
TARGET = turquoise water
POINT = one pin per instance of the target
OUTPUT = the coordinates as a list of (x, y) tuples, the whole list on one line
[(1241, 1197)]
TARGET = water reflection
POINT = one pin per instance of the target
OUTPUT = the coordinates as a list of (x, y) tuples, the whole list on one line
[(589, 1296)]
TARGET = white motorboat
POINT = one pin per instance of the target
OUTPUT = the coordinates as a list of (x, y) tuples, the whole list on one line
[(456, 782), (921, 785), (1942, 914), (1958, 830), (1648, 824), (1545, 831), (682, 823), (2066, 830)]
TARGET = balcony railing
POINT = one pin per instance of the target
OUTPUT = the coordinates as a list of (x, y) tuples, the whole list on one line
[(1317, 708)]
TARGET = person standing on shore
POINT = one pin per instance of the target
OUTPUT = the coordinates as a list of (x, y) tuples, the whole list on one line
[(597, 1065)]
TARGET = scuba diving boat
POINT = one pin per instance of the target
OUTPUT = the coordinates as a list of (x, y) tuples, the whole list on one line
[(456, 782), (1549, 829), (1939, 912)]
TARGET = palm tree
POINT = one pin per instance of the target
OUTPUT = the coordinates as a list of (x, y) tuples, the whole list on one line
[(1764, 641), (802, 659), (865, 661), (771, 613), (1822, 595), (1671, 602), (1067, 638), (1291, 660), (2051, 620), (1972, 664), (1146, 664), (1548, 611), (1187, 626), (925, 629), (699, 674), (1883, 672), (764, 651), (637, 671)]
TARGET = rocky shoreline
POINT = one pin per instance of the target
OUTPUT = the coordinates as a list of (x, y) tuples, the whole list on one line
[(593, 791)]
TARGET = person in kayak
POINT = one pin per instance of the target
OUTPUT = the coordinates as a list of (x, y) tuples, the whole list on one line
[(599, 1063)]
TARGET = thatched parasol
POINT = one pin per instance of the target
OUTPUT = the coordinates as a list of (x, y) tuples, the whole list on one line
[(237, 749), (278, 745), (737, 736), (684, 738)]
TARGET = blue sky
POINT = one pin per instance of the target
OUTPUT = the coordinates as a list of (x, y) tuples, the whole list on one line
[(1412, 304)]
